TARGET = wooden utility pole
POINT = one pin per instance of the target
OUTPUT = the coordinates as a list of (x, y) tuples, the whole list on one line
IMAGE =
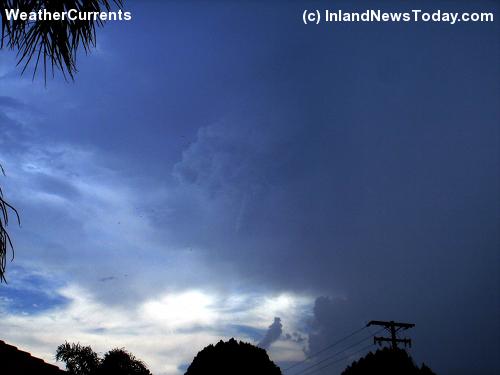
[(393, 328)]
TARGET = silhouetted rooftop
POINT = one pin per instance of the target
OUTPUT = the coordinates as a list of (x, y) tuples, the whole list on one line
[(18, 362)]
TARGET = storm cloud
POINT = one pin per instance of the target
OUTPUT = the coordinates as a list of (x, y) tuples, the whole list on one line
[(326, 176)]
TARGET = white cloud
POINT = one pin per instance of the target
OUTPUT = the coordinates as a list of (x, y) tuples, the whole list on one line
[(165, 332), (181, 310)]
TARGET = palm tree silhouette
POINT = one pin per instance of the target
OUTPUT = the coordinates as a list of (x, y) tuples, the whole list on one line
[(5, 241), (55, 43), (52, 45)]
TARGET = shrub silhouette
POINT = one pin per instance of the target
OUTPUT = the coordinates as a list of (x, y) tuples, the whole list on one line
[(232, 357), (387, 362)]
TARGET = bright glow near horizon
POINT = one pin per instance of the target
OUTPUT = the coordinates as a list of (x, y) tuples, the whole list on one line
[(174, 325)]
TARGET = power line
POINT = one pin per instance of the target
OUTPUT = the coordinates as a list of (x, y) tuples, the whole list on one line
[(301, 372), (335, 354), (338, 360), (326, 348)]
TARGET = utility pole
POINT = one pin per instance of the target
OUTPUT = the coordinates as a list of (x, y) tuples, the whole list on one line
[(393, 328)]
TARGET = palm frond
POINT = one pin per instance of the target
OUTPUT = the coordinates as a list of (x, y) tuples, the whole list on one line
[(5, 241), (53, 44)]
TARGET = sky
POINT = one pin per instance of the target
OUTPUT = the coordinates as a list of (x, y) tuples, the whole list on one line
[(222, 170)]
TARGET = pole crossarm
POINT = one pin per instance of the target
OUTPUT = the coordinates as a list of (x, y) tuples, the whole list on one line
[(389, 324)]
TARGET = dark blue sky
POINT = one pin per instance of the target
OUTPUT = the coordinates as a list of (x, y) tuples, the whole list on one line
[(227, 159)]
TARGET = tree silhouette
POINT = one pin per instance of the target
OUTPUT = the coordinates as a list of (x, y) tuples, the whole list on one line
[(121, 362), (387, 362), (82, 360), (52, 44), (232, 357)]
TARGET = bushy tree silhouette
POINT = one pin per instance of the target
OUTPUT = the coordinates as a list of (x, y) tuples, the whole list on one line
[(82, 360), (387, 362), (121, 362), (230, 358)]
